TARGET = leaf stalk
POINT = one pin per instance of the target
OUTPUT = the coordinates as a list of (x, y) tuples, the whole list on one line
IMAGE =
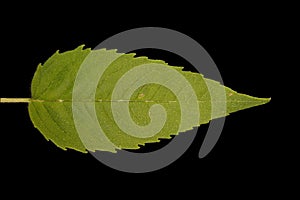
[(15, 100)]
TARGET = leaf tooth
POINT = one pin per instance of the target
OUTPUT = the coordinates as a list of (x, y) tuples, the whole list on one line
[(113, 50), (146, 59), (131, 55), (108, 50), (81, 47)]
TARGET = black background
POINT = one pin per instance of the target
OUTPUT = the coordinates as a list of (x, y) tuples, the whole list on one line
[(242, 44)]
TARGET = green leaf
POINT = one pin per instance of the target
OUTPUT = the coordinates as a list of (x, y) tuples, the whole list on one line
[(103, 100)]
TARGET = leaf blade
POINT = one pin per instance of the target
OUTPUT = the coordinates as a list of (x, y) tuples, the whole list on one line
[(51, 108)]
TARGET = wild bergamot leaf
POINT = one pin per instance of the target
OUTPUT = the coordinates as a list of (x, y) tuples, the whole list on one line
[(125, 100)]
